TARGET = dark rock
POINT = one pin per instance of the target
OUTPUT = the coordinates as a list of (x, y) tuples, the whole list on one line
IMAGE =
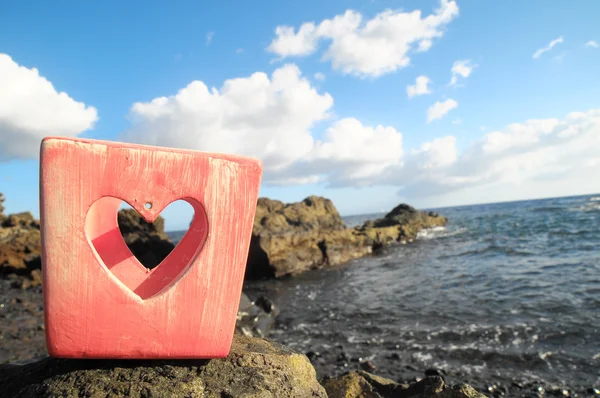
[(342, 357), (367, 366), (360, 384), (254, 368), (409, 221), (20, 245), (35, 279), (395, 356), (401, 214), (312, 355), (147, 241), (21, 314), (435, 372), (253, 320), (266, 304)]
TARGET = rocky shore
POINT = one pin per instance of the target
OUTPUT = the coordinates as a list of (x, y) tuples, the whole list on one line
[(287, 240)]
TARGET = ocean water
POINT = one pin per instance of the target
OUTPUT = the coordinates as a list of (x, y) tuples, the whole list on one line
[(506, 293)]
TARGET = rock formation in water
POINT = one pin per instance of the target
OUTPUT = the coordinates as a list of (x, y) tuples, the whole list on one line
[(286, 239), (291, 238)]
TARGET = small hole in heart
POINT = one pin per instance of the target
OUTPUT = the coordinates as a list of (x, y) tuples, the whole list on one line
[(150, 243)]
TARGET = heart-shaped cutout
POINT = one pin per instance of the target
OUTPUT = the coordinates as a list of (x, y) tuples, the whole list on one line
[(150, 243), (105, 239)]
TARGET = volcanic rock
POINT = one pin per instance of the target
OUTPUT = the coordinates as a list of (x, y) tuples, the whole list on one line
[(20, 244), (254, 368), (147, 241), (288, 239)]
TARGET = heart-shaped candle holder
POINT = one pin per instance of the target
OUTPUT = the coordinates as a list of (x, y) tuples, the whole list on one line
[(99, 301)]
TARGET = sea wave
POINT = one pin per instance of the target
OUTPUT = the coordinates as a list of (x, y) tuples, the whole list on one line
[(440, 232), (504, 292), (593, 206), (548, 209)]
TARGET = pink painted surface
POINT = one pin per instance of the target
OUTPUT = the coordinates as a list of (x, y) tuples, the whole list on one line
[(99, 301)]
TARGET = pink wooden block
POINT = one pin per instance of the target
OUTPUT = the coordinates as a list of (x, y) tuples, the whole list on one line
[(99, 301)]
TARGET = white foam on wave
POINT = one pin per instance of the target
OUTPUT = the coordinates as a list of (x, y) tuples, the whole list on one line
[(592, 206), (352, 339), (439, 232), (419, 356), (595, 199), (461, 347), (473, 369)]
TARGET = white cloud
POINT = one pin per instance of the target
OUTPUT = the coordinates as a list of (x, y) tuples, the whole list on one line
[(255, 116), (239, 50), (440, 152), (209, 38), (462, 68), (549, 47), (31, 108), (366, 48), (352, 153), (277, 118), (289, 43), (548, 157), (457, 121), (319, 76), (551, 154), (439, 109), (419, 88), (592, 44), (268, 118)]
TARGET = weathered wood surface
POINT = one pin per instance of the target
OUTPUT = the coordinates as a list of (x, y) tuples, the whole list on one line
[(99, 301)]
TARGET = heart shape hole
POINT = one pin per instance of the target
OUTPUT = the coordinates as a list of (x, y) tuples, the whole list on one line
[(149, 242), (109, 238)]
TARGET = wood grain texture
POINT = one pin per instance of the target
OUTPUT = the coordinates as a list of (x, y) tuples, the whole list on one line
[(99, 301)]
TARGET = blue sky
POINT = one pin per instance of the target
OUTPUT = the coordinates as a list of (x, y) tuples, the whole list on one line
[(328, 112)]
